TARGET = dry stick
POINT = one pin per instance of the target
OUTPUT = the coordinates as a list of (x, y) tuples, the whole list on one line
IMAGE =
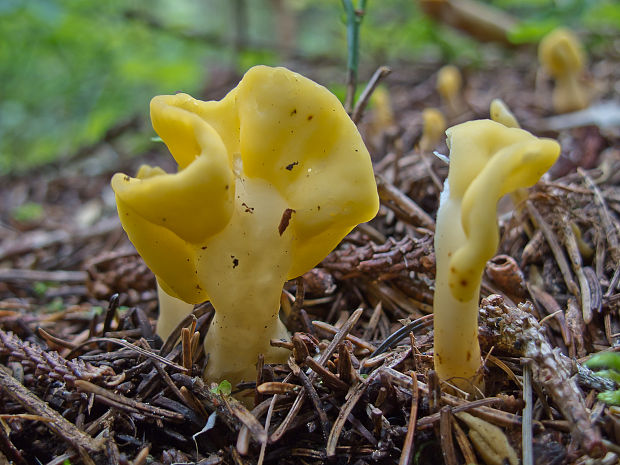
[(477, 408), (63, 428), (67, 277), (246, 417), (354, 394), (570, 242), (464, 444), (187, 348), (314, 397), (146, 409), (445, 436), (381, 73), (517, 332), (138, 349), (329, 379), (141, 457), (166, 377), (7, 447), (362, 344), (374, 320), (526, 430), (405, 456), (327, 353), (555, 248), (38, 240), (608, 225), (404, 207)]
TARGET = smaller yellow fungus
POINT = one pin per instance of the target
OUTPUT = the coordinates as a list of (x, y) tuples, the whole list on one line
[(561, 54), (449, 83), (434, 126), (270, 179), (383, 114), (487, 161), (501, 113)]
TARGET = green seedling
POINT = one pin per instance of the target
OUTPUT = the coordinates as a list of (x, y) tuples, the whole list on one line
[(610, 361)]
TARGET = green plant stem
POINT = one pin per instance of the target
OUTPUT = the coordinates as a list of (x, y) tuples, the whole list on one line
[(354, 20)]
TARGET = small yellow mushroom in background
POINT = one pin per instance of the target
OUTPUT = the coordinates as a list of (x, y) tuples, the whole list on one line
[(561, 54), (433, 129), (449, 83), (500, 112), (271, 178), (487, 161), (382, 112)]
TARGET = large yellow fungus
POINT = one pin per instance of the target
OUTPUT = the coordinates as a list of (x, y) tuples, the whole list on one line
[(562, 56), (270, 179), (487, 161)]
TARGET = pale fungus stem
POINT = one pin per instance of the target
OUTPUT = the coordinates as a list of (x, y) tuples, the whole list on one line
[(487, 161)]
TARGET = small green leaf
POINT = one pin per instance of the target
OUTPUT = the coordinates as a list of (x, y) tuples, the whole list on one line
[(156, 139), (97, 310), (604, 360), (222, 389), (610, 397), (29, 211), (40, 288), (56, 305), (609, 374)]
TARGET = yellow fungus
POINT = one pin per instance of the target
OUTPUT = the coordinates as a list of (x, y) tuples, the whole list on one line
[(449, 83), (270, 179), (433, 129), (487, 161), (561, 54), (500, 112)]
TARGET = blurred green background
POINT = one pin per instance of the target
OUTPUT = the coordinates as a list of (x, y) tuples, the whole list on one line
[(72, 69)]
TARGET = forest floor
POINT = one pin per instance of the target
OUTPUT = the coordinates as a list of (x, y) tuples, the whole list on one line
[(83, 378)]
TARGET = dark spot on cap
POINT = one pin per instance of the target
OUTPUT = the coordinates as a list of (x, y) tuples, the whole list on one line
[(310, 117), (318, 207), (291, 165), (463, 282), (163, 219), (468, 357), (204, 247), (248, 209), (127, 178), (286, 217), (294, 112), (235, 261), (198, 287), (227, 187)]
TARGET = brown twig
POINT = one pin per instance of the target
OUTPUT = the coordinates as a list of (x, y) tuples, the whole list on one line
[(55, 422), (381, 73), (407, 451), (402, 205)]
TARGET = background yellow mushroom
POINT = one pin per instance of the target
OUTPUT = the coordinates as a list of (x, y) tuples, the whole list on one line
[(561, 54)]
